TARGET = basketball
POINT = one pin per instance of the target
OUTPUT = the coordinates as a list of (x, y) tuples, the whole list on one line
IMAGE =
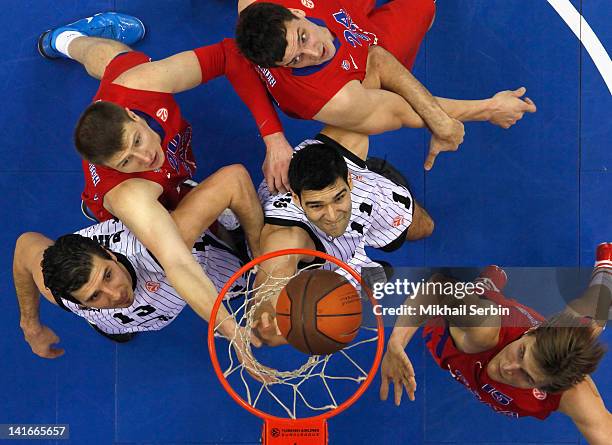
[(319, 312)]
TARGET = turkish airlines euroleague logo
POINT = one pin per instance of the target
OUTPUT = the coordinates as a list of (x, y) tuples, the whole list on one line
[(308, 3), (162, 113), (539, 394), (152, 286)]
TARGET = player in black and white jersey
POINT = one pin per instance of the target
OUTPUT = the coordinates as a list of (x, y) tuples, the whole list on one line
[(338, 206), (104, 274)]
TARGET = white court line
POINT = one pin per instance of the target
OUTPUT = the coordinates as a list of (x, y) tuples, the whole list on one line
[(585, 34)]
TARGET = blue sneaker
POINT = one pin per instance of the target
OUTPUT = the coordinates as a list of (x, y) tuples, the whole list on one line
[(109, 25)]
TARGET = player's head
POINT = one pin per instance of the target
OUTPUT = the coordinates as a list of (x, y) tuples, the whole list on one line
[(553, 357), (79, 270), (272, 35), (116, 137), (321, 186)]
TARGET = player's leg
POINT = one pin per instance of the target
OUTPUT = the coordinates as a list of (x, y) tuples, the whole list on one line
[(422, 225), (93, 41), (596, 301), (402, 25)]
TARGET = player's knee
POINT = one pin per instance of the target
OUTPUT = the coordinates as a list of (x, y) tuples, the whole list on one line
[(237, 173)]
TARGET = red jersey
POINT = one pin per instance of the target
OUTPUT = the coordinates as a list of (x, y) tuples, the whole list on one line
[(471, 369), (163, 115), (302, 92)]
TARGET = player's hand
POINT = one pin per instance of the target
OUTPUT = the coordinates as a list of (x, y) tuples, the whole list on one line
[(449, 140), (42, 340), (276, 165), (397, 368), (264, 325), (508, 107), (253, 367)]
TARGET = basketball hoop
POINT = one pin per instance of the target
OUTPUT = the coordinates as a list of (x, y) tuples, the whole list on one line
[(285, 390)]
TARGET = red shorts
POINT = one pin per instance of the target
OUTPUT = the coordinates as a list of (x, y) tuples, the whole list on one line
[(123, 62), (402, 25)]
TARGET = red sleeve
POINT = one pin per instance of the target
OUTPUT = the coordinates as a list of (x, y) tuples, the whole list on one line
[(251, 89), (224, 58)]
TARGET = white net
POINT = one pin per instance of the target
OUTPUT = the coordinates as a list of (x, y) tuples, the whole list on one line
[(289, 383)]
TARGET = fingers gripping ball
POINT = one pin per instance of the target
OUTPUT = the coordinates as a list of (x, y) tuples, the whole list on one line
[(319, 312)]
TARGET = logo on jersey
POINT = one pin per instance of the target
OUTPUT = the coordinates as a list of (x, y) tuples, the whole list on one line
[(353, 34), (308, 3), (178, 151), (162, 113), (539, 394), (398, 221), (152, 286), (346, 65), (95, 178)]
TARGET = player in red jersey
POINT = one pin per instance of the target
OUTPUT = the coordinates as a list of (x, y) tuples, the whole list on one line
[(511, 359), (341, 62), (137, 145)]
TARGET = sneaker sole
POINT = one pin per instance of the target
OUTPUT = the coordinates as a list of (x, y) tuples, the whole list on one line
[(39, 46)]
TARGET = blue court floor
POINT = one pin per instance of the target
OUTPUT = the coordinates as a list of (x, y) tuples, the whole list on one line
[(538, 194)]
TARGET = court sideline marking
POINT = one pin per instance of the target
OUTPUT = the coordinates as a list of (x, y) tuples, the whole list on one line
[(587, 36)]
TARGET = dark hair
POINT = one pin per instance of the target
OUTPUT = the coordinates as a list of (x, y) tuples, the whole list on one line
[(315, 167), (261, 34), (66, 265), (99, 133), (566, 349)]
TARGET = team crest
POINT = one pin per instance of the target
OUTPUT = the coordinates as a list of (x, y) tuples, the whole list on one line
[(539, 394), (152, 286), (308, 3), (346, 65), (162, 113), (398, 221)]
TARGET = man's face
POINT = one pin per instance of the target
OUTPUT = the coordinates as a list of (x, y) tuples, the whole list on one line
[(142, 148), (328, 209), (307, 44), (514, 365), (109, 285)]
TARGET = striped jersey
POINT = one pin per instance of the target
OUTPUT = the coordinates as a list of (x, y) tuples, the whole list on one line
[(381, 212), (156, 303)]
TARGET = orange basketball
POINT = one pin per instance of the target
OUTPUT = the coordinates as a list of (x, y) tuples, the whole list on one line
[(319, 312)]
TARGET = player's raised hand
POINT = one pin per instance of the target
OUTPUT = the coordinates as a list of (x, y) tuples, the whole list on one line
[(508, 107), (250, 364), (42, 340), (396, 368), (449, 141), (276, 165), (267, 330)]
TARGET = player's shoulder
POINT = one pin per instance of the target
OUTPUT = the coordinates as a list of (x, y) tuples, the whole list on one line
[(280, 236)]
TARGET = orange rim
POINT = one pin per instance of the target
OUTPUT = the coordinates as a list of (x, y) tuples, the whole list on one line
[(213, 351)]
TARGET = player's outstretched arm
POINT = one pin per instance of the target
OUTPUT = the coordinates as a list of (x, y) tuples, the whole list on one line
[(586, 408), (29, 283), (188, 69), (230, 187), (135, 203), (277, 238)]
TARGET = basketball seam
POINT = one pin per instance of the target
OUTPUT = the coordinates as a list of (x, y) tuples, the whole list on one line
[(310, 277), (339, 315)]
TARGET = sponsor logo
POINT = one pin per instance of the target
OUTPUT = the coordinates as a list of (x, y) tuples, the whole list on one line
[(346, 65), (162, 113), (275, 432), (539, 394), (152, 286), (308, 3), (267, 76), (95, 178), (398, 221)]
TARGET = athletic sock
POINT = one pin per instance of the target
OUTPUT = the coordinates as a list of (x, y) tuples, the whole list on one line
[(602, 276), (63, 40)]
